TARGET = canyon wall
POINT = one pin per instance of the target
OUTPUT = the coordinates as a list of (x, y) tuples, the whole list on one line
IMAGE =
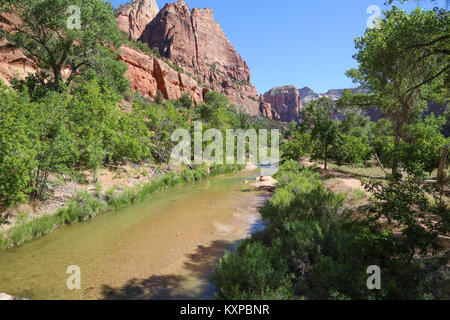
[(196, 55), (133, 17), (148, 74), (13, 63), (195, 42), (285, 102)]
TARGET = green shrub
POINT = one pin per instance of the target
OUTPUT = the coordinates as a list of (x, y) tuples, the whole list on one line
[(188, 176), (298, 147), (252, 272), (350, 150), (41, 226), (313, 248)]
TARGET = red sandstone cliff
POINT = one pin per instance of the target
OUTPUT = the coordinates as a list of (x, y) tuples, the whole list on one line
[(133, 17), (13, 63), (148, 74), (194, 41), (191, 40), (285, 102)]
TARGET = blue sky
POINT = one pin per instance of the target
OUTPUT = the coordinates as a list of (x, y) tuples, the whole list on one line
[(298, 42)]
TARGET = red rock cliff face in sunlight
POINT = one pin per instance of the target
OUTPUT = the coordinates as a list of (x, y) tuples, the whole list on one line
[(133, 17), (148, 74), (13, 63), (266, 109), (194, 41), (198, 57), (286, 102)]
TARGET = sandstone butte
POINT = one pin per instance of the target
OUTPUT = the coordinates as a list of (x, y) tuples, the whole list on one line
[(191, 40), (284, 102), (195, 42), (133, 17)]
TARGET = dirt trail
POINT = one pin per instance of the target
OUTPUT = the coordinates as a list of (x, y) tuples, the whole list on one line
[(341, 181)]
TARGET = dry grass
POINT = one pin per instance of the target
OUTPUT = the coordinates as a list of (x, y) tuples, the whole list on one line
[(370, 170)]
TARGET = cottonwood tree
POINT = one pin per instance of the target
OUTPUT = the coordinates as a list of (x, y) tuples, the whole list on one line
[(318, 116), (59, 34), (406, 58), (388, 2)]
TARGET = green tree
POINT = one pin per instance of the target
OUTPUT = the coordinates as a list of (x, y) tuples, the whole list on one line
[(185, 101), (57, 146), (163, 121), (399, 62), (299, 146), (427, 144), (159, 99), (48, 33), (318, 117), (405, 205), (350, 149), (17, 142)]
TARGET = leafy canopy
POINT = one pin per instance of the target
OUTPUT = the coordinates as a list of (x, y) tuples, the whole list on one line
[(46, 31)]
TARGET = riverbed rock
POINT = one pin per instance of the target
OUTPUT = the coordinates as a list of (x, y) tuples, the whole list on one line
[(4, 296)]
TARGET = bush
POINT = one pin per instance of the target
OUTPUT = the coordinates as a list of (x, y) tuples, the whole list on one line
[(17, 147), (253, 272), (313, 248), (350, 150), (298, 147), (83, 207)]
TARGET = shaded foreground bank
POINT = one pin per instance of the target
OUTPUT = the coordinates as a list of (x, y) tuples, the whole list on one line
[(316, 246)]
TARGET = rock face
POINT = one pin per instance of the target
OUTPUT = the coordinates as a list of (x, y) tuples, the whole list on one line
[(148, 74), (197, 56), (13, 63), (285, 102), (194, 41), (308, 95), (266, 110), (133, 17)]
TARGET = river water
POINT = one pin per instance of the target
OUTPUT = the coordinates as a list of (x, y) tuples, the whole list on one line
[(162, 248)]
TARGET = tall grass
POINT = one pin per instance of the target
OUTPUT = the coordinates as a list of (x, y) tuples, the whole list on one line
[(85, 206)]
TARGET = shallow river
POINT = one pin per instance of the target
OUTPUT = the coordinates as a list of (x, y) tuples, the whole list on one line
[(163, 248)]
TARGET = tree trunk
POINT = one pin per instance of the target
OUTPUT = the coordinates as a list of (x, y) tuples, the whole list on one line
[(395, 158), (326, 157), (57, 78), (380, 164), (441, 172)]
